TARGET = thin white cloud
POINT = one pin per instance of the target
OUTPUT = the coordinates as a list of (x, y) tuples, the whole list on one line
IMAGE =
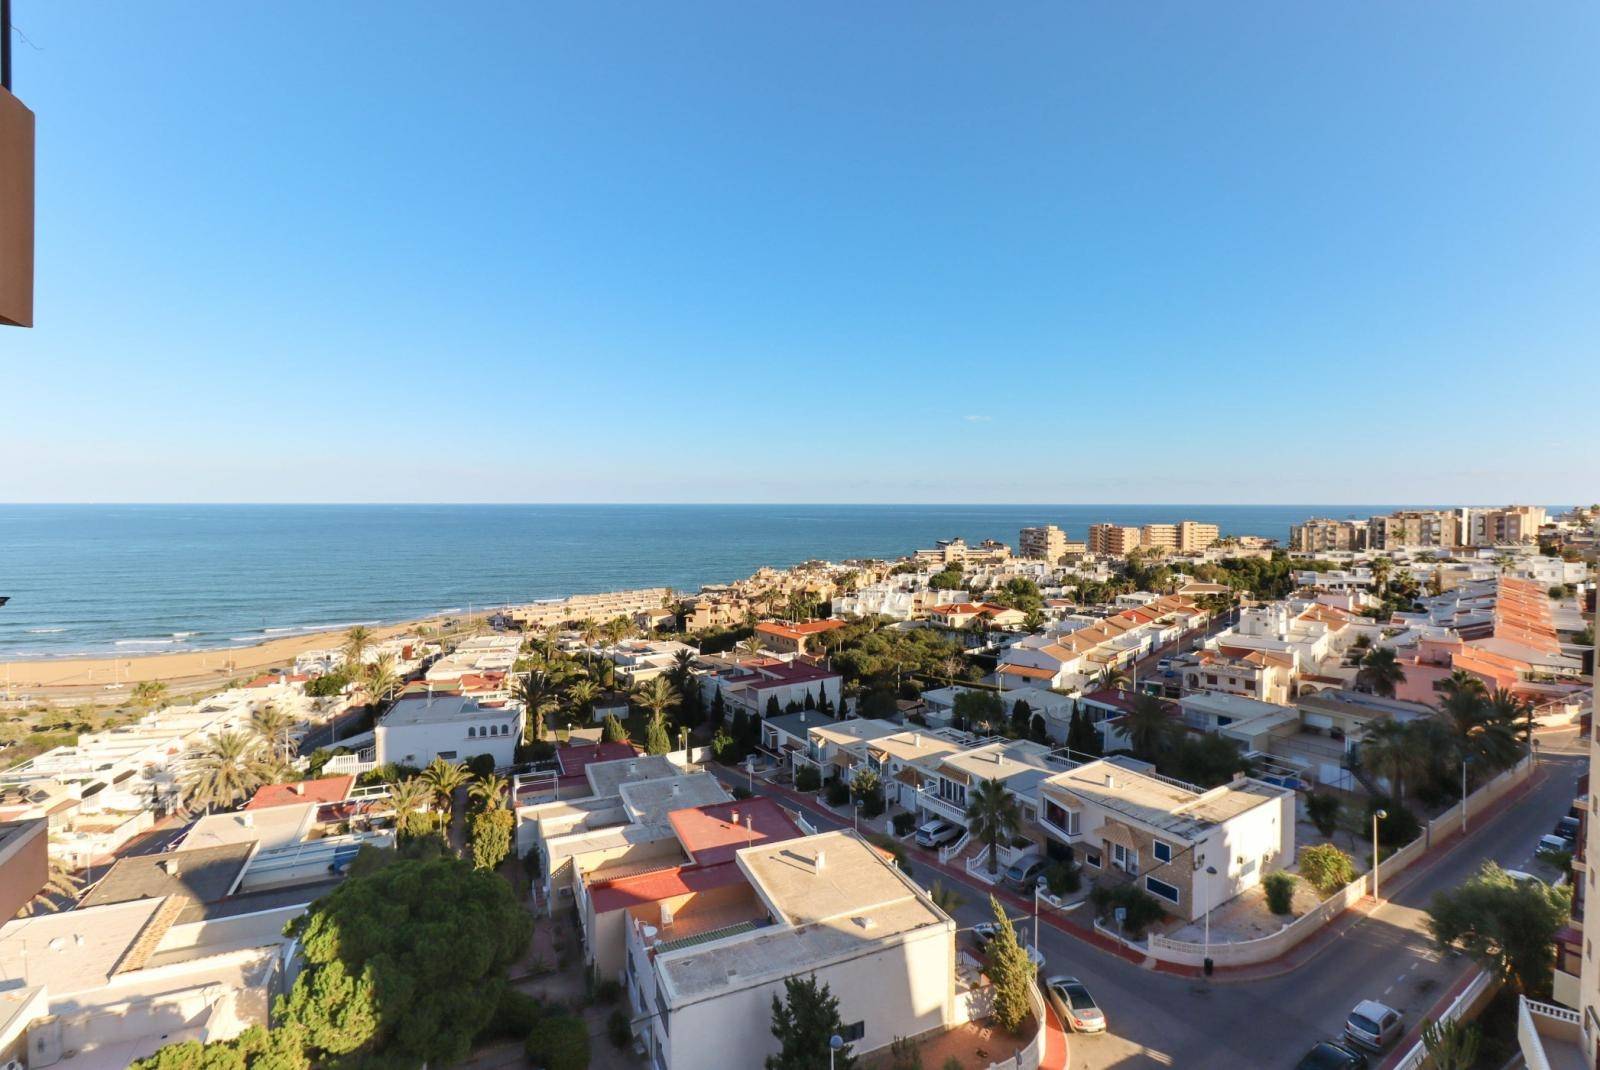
[(976, 419)]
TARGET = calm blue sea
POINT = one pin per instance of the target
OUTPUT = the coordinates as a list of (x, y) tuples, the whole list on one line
[(149, 578)]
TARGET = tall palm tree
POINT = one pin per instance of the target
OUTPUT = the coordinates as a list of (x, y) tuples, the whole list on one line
[(407, 798), (1504, 706), (1381, 567), (356, 642), (1391, 750), (656, 695), (540, 696), (751, 644), (379, 680), (589, 631), (1476, 728), (994, 817), (489, 792), (1149, 727), (275, 729), (444, 779), (1381, 671), (582, 693), (1113, 678), (226, 772), (617, 629), (682, 663)]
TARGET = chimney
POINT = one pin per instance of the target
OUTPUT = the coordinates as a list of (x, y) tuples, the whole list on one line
[(802, 716), (170, 866), (1111, 781), (822, 860), (299, 787), (247, 819), (733, 818)]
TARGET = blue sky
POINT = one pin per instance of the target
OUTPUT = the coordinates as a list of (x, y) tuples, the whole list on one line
[(1058, 252)]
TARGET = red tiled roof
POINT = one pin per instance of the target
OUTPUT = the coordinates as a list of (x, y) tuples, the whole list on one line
[(575, 758), (270, 678), (1028, 670), (662, 884), (784, 674), (326, 789), (712, 834), (798, 631)]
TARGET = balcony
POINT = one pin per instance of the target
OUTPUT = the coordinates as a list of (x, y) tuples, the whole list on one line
[(1551, 1037), (942, 807)]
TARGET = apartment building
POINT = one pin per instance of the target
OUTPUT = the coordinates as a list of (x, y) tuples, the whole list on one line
[(829, 906), (1113, 540), (1070, 659), (898, 598), (1047, 543), (1195, 537), (1159, 537), (1322, 536), (557, 613), (1264, 674), (1430, 528), (1511, 525), (1191, 849)]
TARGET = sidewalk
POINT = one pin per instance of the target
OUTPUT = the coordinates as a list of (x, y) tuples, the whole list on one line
[(1258, 971)]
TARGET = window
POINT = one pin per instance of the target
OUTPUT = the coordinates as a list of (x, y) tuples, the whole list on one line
[(853, 1032), (1161, 889), (1124, 859), (471, 733), (448, 755), (1060, 817), (1248, 868), (1163, 851), (1091, 857)]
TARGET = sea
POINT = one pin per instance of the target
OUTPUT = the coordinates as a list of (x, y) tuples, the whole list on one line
[(133, 579)]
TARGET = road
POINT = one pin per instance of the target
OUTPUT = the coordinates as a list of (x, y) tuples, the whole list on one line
[(1159, 1020)]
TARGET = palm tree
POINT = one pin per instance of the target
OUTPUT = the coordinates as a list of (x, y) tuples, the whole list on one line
[(1476, 726), (751, 644), (540, 695), (1112, 678), (582, 693), (148, 693), (1504, 706), (407, 798), (380, 680), (275, 729), (1149, 727), (1381, 567), (682, 663), (994, 817), (59, 883), (226, 772), (489, 792), (1381, 671), (617, 629), (356, 642), (589, 631), (444, 779), (1391, 750), (656, 696)]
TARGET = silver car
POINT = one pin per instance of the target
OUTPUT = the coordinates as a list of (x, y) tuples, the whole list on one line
[(1075, 1005), (1372, 1025)]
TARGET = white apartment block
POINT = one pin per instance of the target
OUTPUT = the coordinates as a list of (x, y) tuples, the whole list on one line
[(419, 728)]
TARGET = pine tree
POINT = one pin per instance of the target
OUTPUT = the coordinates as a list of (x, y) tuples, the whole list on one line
[(656, 739), (719, 710), (1011, 971), (803, 1021), (773, 709), (811, 700), (1021, 717), (614, 732)]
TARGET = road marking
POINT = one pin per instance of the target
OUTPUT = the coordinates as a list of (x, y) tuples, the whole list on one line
[(1414, 965), (1386, 991)]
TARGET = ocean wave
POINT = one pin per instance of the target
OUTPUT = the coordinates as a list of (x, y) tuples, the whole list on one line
[(44, 631), (245, 639), (184, 635), (146, 642)]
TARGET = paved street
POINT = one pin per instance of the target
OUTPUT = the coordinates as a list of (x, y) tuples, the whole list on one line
[(1159, 1020)]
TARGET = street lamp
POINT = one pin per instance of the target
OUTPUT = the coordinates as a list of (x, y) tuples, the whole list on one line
[(1377, 816), (855, 814), (835, 1042), (1465, 758), (1211, 871)]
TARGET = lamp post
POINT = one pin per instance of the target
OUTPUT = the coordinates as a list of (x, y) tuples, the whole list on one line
[(1036, 914), (1377, 816), (855, 814), (1465, 758), (835, 1042), (1211, 871)]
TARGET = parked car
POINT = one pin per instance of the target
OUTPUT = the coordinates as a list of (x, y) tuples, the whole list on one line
[(938, 832), (1567, 828), (1164, 665), (1331, 1055), (1021, 875), (1523, 878), (1075, 1005), (1553, 845), (984, 933), (1372, 1025)]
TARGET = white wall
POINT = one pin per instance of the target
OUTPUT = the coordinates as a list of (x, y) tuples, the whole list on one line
[(418, 744)]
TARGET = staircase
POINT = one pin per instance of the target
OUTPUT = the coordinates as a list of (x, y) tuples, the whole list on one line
[(1352, 763)]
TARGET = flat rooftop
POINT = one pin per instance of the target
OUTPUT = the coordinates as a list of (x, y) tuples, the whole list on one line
[(715, 833), (606, 778), (272, 827), (836, 897), (650, 801), (199, 877), (1167, 806), (411, 710)]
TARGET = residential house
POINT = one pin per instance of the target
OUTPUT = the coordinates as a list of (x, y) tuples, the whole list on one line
[(781, 637), (419, 728)]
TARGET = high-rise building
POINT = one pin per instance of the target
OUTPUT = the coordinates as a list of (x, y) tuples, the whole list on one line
[(1195, 537), (1113, 539), (1047, 543), (1415, 528), (1502, 527), (1159, 537), (1318, 536)]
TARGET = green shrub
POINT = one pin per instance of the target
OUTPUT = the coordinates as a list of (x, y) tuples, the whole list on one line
[(481, 765), (903, 823), (515, 1015), (1326, 867), (838, 793), (1280, 891), (1063, 878), (806, 778), (1395, 830), (619, 1029), (1143, 909), (560, 1042)]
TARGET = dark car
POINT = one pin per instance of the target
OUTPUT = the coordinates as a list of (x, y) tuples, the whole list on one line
[(1567, 828), (1331, 1055)]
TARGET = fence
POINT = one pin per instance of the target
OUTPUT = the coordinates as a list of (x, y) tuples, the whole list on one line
[(1561, 1025), (1478, 989), (1031, 1056), (1266, 948)]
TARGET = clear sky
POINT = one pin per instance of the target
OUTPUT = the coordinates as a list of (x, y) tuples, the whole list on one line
[(923, 252)]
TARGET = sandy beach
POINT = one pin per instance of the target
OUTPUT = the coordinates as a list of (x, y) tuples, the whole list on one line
[(184, 670)]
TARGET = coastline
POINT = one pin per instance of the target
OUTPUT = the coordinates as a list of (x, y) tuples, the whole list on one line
[(186, 668)]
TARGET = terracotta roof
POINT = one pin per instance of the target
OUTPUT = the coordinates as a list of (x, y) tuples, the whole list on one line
[(323, 790), (713, 834), (1031, 671), (270, 678), (798, 631), (660, 884)]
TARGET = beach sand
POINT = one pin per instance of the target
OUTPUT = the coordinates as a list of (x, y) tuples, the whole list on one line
[(184, 670)]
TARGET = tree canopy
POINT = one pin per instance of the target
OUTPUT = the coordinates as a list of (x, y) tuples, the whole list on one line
[(804, 1021), (1508, 925)]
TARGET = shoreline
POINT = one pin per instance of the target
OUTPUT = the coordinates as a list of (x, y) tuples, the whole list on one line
[(93, 673)]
